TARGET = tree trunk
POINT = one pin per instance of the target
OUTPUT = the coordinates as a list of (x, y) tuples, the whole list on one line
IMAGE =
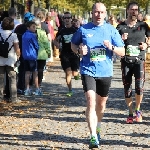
[(47, 4), (12, 3), (148, 8), (39, 3), (32, 7)]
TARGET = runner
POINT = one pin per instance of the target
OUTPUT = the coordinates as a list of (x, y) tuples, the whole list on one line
[(76, 23), (100, 40), (133, 33), (69, 60)]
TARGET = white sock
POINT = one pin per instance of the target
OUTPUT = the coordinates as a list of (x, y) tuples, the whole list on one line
[(99, 125), (95, 135)]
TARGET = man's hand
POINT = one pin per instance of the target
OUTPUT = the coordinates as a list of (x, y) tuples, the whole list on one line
[(124, 36), (107, 44), (148, 40), (83, 49), (142, 46)]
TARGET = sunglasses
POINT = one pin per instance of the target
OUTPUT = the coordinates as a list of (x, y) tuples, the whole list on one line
[(67, 17)]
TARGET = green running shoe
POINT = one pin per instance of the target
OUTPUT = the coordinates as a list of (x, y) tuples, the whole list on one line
[(93, 143), (69, 94)]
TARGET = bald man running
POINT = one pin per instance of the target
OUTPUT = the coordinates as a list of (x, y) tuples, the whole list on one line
[(99, 40)]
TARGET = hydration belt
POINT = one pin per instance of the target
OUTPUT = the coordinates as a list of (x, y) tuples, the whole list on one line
[(132, 59)]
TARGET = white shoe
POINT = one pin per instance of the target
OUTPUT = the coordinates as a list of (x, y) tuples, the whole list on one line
[(27, 92), (38, 92), (49, 60)]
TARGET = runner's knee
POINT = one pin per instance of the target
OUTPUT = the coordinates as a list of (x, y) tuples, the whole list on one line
[(139, 86)]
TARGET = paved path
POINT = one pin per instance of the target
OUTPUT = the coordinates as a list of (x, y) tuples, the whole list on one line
[(56, 122)]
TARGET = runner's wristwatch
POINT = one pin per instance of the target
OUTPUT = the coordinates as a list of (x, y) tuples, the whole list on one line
[(113, 47), (78, 50)]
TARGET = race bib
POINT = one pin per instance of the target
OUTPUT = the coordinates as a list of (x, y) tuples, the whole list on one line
[(132, 50), (67, 38), (98, 54)]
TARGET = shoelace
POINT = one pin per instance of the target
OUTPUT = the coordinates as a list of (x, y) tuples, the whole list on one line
[(138, 114)]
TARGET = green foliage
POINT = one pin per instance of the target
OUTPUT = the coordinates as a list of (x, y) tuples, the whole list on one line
[(77, 6), (4, 4)]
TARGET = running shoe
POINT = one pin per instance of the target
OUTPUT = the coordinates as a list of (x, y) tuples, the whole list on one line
[(93, 143), (48, 60), (129, 120), (98, 130), (38, 92), (27, 92), (21, 92), (69, 94), (138, 117)]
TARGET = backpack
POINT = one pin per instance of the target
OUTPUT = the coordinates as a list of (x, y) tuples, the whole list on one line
[(4, 47)]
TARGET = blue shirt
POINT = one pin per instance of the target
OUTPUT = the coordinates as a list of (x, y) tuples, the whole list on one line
[(30, 46), (98, 61)]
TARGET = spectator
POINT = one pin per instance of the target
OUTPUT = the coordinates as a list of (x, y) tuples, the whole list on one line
[(44, 50), (112, 20), (61, 22), (20, 30), (30, 49), (55, 23), (147, 19), (3, 15), (6, 90), (76, 23), (140, 17), (12, 13), (50, 27), (7, 64), (55, 19)]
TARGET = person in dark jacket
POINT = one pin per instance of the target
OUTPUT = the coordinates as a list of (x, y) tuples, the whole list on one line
[(20, 30)]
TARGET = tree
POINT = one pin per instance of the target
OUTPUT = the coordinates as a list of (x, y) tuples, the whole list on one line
[(148, 8)]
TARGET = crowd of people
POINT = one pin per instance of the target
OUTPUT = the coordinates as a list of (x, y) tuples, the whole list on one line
[(88, 47), (36, 46)]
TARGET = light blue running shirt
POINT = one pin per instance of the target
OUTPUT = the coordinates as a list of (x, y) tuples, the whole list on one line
[(98, 61)]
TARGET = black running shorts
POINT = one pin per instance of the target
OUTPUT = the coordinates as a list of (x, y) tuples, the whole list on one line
[(71, 61), (99, 85)]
